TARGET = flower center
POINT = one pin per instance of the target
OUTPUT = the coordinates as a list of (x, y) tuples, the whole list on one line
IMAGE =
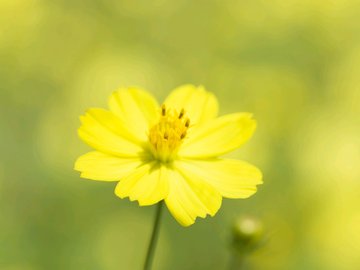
[(168, 134)]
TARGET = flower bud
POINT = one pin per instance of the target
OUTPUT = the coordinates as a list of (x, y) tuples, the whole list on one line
[(248, 234)]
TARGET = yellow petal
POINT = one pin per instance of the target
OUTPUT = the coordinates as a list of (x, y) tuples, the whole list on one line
[(232, 178), (103, 131), (219, 136), (100, 166), (148, 184), (136, 108), (190, 197), (200, 105)]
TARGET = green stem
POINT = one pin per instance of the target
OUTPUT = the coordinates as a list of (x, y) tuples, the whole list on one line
[(154, 237)]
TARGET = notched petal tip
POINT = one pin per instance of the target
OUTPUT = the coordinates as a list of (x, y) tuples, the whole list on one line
[(141, 202), (193, 221), (119, 192), (190, 197), (186, 224), (145, 203)]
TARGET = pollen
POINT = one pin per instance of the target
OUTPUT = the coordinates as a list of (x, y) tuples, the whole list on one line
[(167, 135)]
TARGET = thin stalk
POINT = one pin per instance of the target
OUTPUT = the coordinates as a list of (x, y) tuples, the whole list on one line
[(154, 237)]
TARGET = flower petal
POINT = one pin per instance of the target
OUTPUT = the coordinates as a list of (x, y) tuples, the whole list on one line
[(103, 131), (136, 108), (199, 104), (232, 178), (219, 136), (190, 197), (100, 166), (148, 184)]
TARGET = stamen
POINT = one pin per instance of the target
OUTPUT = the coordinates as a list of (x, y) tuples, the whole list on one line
[(167, 135), (181, 113)]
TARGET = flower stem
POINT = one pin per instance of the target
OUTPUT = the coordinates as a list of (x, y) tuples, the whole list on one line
[(154, 237), (236, 262)]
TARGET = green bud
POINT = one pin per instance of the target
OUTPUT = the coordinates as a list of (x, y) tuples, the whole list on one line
[(248, 234)]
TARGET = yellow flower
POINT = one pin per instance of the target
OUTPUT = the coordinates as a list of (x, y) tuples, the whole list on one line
[(169, 152)]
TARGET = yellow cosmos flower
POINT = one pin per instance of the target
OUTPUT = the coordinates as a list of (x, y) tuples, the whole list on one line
[(169, 152)]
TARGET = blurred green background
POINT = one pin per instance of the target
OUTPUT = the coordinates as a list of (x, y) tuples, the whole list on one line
[(294, 63)]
